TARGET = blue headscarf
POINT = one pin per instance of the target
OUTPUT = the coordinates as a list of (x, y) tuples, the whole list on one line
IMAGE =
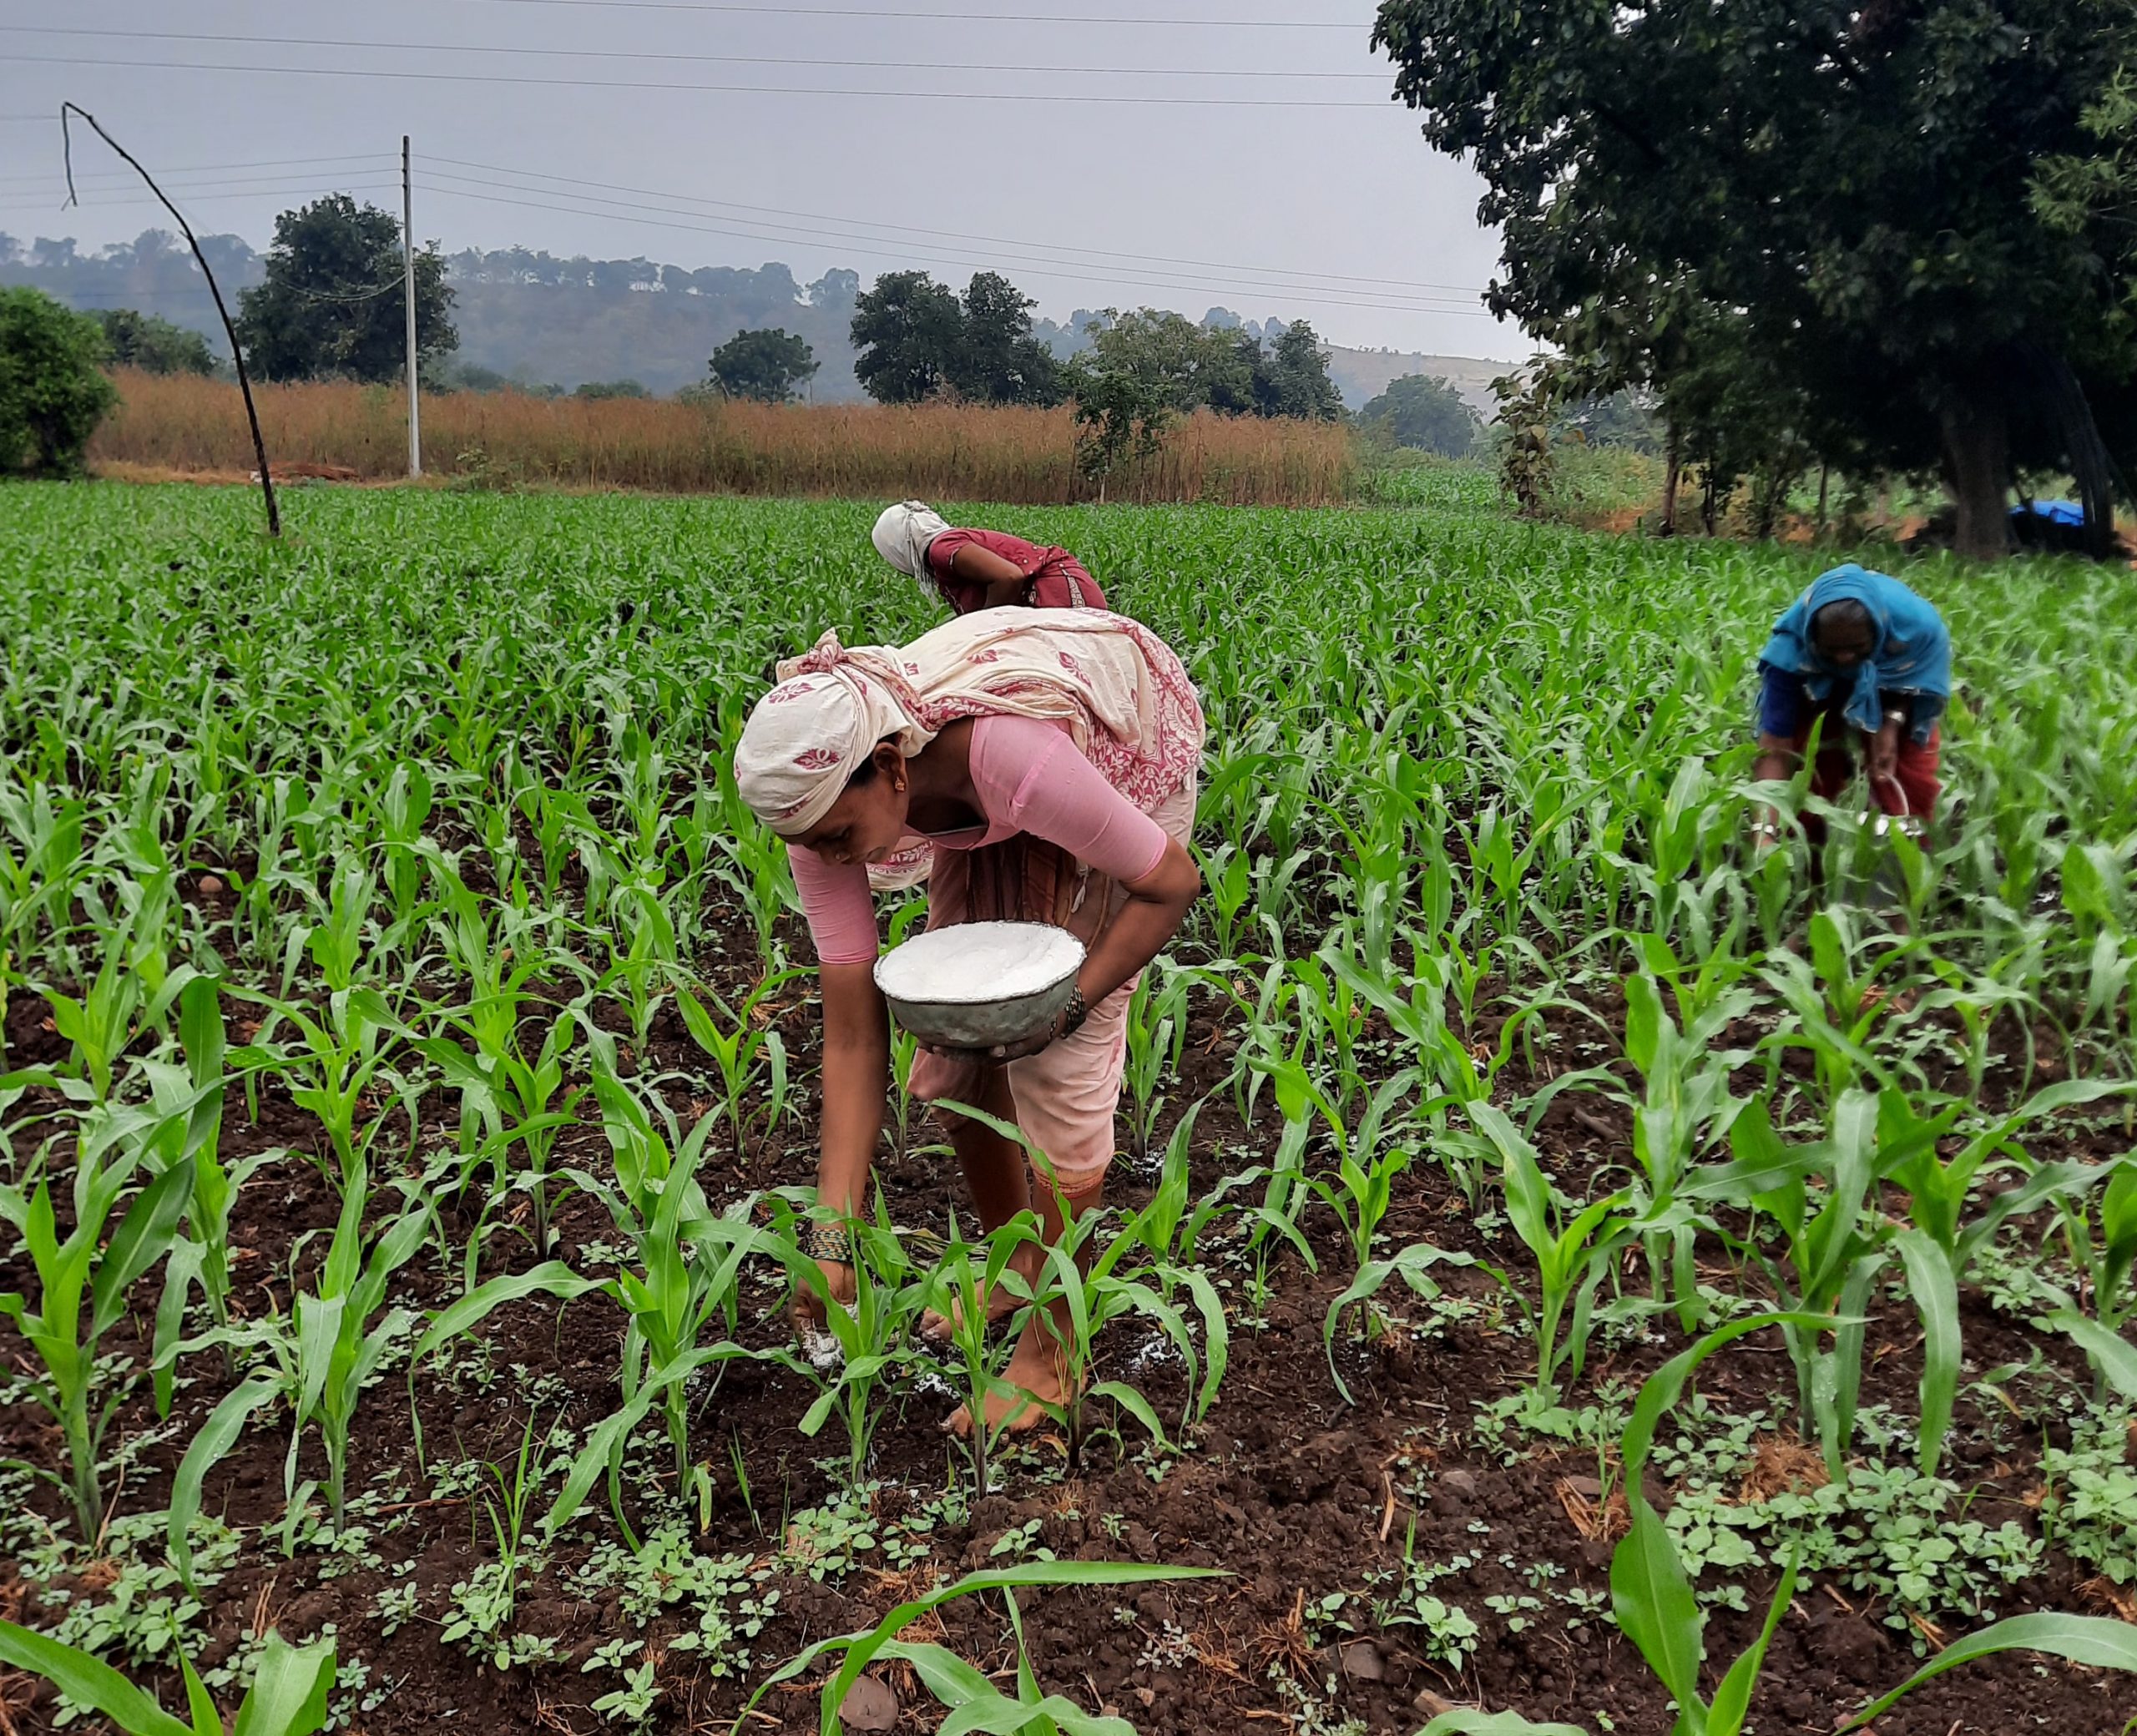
[(1912, 654)]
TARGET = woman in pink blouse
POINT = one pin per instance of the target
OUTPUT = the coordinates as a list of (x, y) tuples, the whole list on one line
[(1050, 761), (977, 569)]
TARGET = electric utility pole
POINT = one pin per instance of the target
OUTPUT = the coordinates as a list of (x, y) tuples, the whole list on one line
[(408, 295)]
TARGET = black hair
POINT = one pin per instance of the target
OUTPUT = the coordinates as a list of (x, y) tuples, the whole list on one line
[(864, 774), (1848, 616)]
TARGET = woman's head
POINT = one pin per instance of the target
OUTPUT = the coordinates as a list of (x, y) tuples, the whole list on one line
[(866, 821), (1844, 633), (902, 533), (828, 741)]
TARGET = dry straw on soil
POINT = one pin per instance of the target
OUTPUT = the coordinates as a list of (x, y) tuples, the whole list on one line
[(186, 424)]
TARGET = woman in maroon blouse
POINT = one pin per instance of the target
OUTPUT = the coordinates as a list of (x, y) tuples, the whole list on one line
[(977, 569)]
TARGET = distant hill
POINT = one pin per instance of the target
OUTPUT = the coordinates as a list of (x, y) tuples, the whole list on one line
[(1362, 375), (541, 321)]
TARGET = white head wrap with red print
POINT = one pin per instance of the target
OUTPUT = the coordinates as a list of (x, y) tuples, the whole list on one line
[(902, 534), (1126, 701)]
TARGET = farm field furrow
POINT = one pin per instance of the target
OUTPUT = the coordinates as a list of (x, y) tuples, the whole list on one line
[(409, 1091)]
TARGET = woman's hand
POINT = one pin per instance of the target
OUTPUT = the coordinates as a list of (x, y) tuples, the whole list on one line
[(1001, 1052), (1882, 750), (807, 1313)]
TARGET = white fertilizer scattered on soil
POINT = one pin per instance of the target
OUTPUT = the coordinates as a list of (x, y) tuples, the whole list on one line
[(975, 962)]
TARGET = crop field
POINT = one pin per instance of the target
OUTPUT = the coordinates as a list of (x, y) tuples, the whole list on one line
[(1556, 1263)]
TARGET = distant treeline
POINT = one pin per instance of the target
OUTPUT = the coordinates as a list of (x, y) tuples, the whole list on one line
[(533, 319)]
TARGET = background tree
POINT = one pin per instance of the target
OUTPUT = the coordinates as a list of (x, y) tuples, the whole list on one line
[(770, 365), (154, 345), (611, 389), (1425, 412), (1845, 193), (1291, 377), (331, 302), (908, 329), (53, 390), (997, 360)]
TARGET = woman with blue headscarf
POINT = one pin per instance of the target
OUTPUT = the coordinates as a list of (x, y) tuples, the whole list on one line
[(1859, 655)]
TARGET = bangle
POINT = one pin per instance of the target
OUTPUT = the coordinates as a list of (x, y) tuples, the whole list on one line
[(1073, 1015), (826, 1245)]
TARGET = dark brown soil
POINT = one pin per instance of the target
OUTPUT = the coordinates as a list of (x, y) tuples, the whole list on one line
[(1292, 1493)]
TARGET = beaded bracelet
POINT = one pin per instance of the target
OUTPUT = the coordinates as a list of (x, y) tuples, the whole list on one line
[(826, 1245), (1073, 1015)]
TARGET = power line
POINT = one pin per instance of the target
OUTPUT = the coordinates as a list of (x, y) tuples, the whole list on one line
[(954, 18), (1023, 98), (242, 184), (193, 167), (484, 194), (863, 224), (18, 212), (912, 66), (1065, 269)]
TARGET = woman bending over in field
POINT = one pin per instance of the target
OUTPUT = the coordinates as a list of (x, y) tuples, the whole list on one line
[(975, 569), (1049, 759), (1858, 653)]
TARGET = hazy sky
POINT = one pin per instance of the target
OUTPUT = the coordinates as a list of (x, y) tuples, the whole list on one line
[(1263, 168)]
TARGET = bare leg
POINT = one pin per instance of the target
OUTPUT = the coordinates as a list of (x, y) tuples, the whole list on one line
[(995, 1171), (994, 1165), (1037, 1367)]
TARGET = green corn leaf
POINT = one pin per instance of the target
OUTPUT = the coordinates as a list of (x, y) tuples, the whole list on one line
[(1935, 1289), (288, 1694), (89, 1680), (1467, 1721), (215, 1438), (1662, 1387), (2112, 1353), (2098, 1642), (1656, 1611), (143, 1238), (1732, 1699)]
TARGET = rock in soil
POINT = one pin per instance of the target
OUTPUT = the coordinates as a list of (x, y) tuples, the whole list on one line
[(869, 1706)]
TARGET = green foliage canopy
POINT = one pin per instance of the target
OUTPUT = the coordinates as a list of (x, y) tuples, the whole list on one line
[(53, 390), (769, 365), (1420, 410), (918, 338), (332, 303), (155, 345), (1838, 197)]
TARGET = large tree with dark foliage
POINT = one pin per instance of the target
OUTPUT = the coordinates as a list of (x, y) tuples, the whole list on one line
[(1290, 376), (333, 304), (152, 344), (908, 329), (1423, 412), (918, 338), (768, 365), (998, 360), (1839, 198), (53, 390)]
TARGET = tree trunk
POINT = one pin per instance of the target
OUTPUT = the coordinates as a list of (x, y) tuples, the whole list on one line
[(1672, 474), (1977, 473)]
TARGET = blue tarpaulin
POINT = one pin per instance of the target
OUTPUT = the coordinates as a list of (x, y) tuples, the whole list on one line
[(2055, 512)]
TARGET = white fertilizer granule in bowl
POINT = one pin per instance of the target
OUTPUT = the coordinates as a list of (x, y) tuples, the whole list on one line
[(980, 985), (977, 963)]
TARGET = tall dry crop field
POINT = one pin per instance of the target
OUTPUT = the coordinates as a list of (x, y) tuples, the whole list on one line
[(184, 424)]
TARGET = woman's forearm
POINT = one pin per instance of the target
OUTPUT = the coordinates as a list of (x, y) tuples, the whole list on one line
[(1157, 905), (856, 1071)]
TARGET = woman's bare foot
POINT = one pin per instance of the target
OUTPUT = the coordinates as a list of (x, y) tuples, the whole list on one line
[(1037, 1375), (1002, 1302)]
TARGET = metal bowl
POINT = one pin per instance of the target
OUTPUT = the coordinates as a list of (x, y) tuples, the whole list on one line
[(973, 984)]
